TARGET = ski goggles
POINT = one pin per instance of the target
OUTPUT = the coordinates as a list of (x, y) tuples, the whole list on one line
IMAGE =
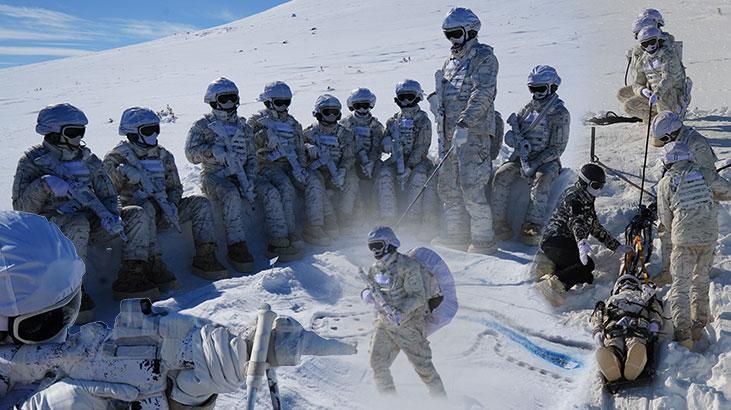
[(377, 246), (648, 43), (406, 97), (455, 33), (330, 112), (282, 102), (595, 185), (227, 98), (538, 89), (362, 105), (49, 323), (73, 131), (148, 130)]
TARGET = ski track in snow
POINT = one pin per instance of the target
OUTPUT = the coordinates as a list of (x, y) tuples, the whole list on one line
[(506, 348)]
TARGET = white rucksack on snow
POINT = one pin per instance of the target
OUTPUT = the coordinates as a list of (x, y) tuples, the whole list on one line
[(440, 289)]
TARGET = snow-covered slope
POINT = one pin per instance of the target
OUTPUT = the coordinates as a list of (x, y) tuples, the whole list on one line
[(506, 348)]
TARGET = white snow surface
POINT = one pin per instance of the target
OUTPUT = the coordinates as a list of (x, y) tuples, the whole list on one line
[(506, 348)]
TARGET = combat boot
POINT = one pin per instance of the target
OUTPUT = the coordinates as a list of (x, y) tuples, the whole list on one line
[(86, 310), (459, 243), (530, 233), (133, 283), (281, 248), (608, 363), (551, 287), (159, 274), (542, 266), (206, 265), (315, 235), (482, 247), (240, 258), (635, 361), (503, 231)]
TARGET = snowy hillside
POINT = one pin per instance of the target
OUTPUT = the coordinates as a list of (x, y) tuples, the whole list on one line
[(506, 348)]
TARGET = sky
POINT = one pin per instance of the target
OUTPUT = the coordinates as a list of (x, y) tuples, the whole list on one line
[(40, 30)]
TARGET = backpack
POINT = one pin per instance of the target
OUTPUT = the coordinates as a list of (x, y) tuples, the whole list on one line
[(441, 293)]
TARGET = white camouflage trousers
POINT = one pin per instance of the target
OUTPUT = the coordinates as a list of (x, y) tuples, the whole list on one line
[(690, 267), (195, 209), (317, 204), (638, 105), (540, 189), (409, 337), (233, 205), (279, 179), (390, 195)]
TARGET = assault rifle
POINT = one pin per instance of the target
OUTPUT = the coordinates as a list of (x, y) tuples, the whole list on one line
[(397, 154), (280, 150), (391, 313), (234, 164), (324, 159)]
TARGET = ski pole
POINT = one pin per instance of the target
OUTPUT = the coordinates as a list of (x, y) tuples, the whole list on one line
[(426, 184), (724, 167), (647, 145), (256, 369)]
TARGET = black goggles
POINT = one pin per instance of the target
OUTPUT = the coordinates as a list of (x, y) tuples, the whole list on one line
[(538, 88), (43, 326), (647, 43), (377, 246), (361, 105), (282, 102), (406, 97), (454, 33), (666, 138), (148, 130), (596, 185), (327, 112), (227, 98), (73, 131)]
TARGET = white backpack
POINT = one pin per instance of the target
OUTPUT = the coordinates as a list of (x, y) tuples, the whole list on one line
[(441, 293)]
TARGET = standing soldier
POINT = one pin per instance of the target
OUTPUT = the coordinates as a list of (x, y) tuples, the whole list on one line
[(62, 180), (660, 78), (687, 208), (407, 138), (330, 150), (539, 137), (368, 133), (280, 149), (223, 143), (466, 88), (396, 280), (565, 244), (668, 127), (144, 174)]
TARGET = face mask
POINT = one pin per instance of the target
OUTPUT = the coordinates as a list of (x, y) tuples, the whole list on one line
[(539, 91), (456, 37), (650, 46), (362, 112), (150, 140)]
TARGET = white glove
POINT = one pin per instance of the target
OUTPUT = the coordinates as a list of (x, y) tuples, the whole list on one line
[(58, 186), (220, 360), (131, 173), (367, 296), (650, 95), (109, 222), (312, 152), (599, 339), (584, 251), (80, 395), (623, 249), (219, 153), (459, 137)]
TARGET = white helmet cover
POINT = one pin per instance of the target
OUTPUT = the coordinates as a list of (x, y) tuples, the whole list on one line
[(38, 265), (409, 86), (653, 14), (648, 33), (385, 234), (275, 90), (460, 17), (622, 280), (361, 95), (544, 74), (53, 117), (135, 117), (665, 122), (220, 85), (326, 101)]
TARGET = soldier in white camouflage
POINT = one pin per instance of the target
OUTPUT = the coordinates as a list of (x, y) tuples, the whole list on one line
[(659, 78), (466, 87), (144, 174), (565, 241), (540, 132), (47, 182), (646, 18), (399, 279), (330, 151), (687, 206), (280, 148), (668, 127), (407, 138), (368, 133), (223, 143)]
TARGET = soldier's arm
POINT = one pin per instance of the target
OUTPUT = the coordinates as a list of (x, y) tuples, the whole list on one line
[(252, 165), (577, 219), (603, 235), (664, 213), (483, 92), (30, 192), (197, 149), (415, 297), (299, 140), (103, 186), (173, 186), (377, 142), (111, 164), (421, 143), (720, 186), (257, 131), (597, 320), (703, 153), (558, 138), (671, 68), (640, 81), (347, 159)]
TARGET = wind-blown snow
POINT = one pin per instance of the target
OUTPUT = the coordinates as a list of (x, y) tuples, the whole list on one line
[(506, 348)]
